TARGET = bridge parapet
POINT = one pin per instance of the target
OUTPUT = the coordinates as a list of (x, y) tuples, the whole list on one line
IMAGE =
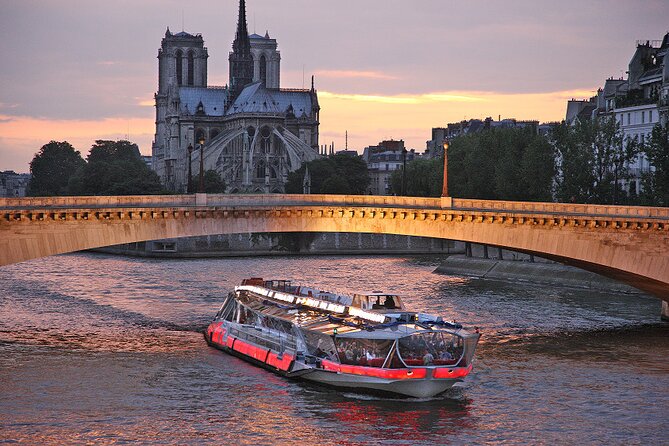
[(158, 201)]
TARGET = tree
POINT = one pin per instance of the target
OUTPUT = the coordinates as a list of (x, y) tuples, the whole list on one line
[(52, 167), (336, 174), (424, 178), (593, 158), (575, 160), (656, 183), (115, 168), (213, 183), (498, 164)]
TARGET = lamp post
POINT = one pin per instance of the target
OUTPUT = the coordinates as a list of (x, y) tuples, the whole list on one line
[(200, 188), (444, 187), (189, 189), (404, 172)]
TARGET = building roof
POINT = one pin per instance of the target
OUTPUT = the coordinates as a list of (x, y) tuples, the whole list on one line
[(651, 75), (213, 100), (255, 36), (255, 98)]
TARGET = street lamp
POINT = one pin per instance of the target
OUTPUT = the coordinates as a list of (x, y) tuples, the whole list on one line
[(189, 190), (200, 141), (444, 187), (404, 172)]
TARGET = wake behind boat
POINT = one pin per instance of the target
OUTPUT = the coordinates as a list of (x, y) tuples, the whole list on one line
[(366, 341)]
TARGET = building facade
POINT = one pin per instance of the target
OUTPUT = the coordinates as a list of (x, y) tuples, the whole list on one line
[(637, 103), (382, 160), (251, 131), (13, 184)]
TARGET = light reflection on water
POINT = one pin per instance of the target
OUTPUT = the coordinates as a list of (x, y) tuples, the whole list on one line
[(106, 349)]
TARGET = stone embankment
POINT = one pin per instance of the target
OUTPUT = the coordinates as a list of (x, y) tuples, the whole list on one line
[(523, 270)]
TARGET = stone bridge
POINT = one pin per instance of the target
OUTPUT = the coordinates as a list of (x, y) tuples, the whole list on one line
[(630, 244)]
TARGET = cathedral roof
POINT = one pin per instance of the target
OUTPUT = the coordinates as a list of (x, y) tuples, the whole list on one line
[(255, 98), (213, 100), (256, 36)]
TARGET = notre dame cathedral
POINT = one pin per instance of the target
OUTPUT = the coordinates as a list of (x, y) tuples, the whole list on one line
[(252, 131)]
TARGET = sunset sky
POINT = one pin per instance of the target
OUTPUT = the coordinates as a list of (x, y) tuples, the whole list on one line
[(80, 70)]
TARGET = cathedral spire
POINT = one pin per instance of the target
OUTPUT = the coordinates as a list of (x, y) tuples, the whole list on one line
[(241, 60), (242, 41)]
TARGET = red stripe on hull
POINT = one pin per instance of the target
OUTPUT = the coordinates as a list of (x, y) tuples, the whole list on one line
[(458, 372), (417, 373)]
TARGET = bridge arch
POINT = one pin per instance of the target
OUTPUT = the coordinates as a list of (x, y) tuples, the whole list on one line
[(626, 243)]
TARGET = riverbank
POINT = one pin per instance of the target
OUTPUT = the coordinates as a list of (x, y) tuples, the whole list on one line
[(538, 272)]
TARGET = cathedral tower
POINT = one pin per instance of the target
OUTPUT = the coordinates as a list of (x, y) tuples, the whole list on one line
[(241, 59), (182, 62)]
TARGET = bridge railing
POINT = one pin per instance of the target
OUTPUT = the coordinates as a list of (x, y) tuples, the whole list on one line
[(152, 201), (560, 208), (217, 200)]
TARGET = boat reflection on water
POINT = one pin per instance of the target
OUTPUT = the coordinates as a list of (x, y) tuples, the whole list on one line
[(405, 421)]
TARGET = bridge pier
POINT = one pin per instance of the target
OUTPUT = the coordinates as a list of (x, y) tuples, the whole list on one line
[(665, 311)]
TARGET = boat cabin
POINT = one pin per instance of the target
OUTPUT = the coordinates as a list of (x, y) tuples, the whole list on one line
[(377, 301)]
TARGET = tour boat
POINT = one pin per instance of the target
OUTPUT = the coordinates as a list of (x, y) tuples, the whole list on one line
[(366, 341)]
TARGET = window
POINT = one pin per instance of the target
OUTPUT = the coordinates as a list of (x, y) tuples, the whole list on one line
[(191, 67), (437, 348), (179, 57), (650, 115), (629, 118), (263, 70), (364, 352), (260, 170), (643, 117)]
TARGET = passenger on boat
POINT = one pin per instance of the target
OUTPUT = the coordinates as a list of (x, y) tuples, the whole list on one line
[(428, 358), (445, 355)]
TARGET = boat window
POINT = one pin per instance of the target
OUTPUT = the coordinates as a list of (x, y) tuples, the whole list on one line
[(435, 348), (320, 345), (365, 352), (384, 302), (227, 311), (277, 324), (247, 316)]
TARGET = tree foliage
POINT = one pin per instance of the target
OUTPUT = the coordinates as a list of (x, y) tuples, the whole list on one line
[(424, 178), (656, 183), (336, 174), (213, 183), (52, 167), (592, 159), (499, 164), (115, 168)]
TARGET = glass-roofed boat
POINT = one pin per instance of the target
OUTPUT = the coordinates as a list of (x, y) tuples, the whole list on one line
[(364, 341)]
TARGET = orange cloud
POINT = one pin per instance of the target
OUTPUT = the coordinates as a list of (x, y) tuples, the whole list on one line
[(372, 118)]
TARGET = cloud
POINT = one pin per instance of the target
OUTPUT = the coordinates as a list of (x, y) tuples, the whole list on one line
[(403, 98), (355, 74), (8, 105), (372, 118), (146, 102)]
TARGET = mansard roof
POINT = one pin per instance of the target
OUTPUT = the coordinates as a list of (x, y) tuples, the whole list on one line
[(213, 100)]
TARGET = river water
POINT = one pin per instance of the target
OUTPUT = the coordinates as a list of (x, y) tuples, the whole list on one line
[(103, 349)]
